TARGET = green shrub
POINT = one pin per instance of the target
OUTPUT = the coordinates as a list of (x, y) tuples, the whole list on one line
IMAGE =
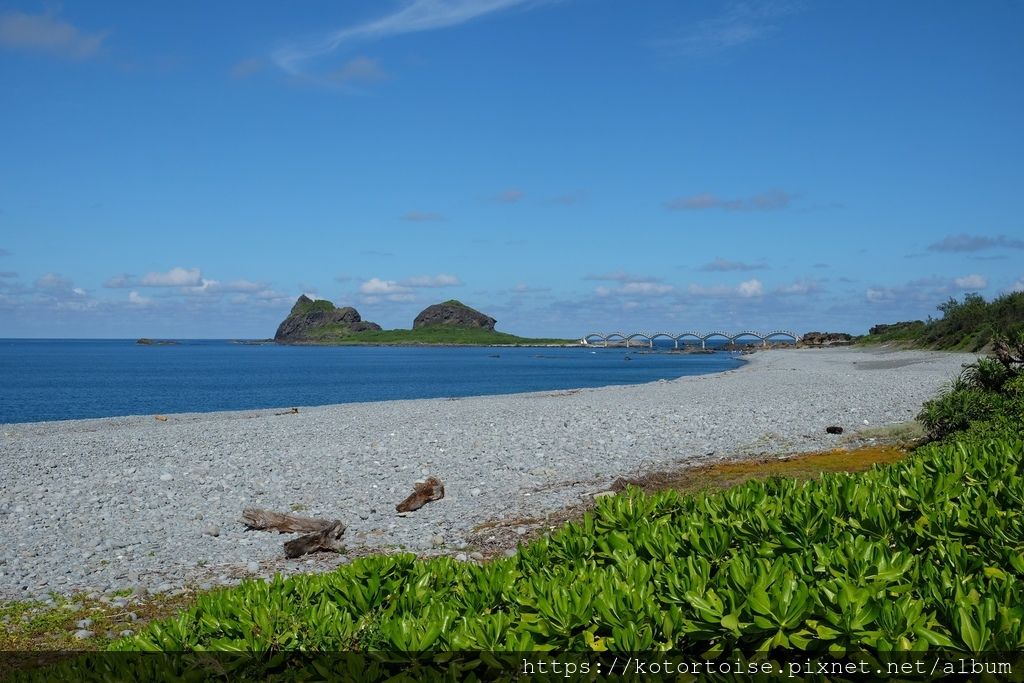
[(955, 410)]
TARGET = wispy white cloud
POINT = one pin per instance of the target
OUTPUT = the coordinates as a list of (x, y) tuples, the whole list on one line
[(644, 289), (359, 70), (620, 276), (747, 289), (414, 17), (766, 201), (722, 265), (966, 243), (510, 195), (1018, 286), (432, 281), (137, 299), (422, 216), (46, 33), (740, 24)]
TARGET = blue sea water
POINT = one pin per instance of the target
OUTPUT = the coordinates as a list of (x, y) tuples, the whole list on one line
[(61, 379)]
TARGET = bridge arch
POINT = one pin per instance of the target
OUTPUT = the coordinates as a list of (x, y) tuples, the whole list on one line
[(595, 336), (782, 333)]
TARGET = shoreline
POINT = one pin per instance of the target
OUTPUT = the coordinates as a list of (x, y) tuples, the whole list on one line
[(133, 503)]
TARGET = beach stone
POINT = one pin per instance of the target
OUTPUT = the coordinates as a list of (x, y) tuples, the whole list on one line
[(84, 623), (166, 477), (83, 634), (475, 555), (127, 632), (212, 531)]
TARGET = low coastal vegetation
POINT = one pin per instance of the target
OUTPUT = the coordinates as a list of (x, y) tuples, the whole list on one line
[(435, 335), (971, 325)]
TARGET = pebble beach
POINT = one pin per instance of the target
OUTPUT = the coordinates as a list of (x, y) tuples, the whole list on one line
[(153, 505)]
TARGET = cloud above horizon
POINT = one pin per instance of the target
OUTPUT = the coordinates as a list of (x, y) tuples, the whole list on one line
[(415, 17), (968, 243), (175, 277), (766, 201), (46, 33), (721, 265)]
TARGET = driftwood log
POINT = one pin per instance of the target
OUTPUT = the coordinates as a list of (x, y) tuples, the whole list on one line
[(423, 493), (319, 534), (268, 520)]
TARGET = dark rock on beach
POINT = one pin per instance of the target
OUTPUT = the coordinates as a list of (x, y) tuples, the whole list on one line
[(825, 339), (455, 314), (307, 316)]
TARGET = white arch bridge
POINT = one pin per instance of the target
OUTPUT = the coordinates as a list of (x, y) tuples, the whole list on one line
[(604, 339)]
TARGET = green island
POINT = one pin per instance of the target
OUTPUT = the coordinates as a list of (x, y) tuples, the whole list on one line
[(450, 323), (923, 552)]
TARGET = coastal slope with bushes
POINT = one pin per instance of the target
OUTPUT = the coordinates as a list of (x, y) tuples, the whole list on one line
[(973, 324)]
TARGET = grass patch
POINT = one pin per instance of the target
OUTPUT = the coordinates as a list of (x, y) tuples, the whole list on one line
[(37, 626)]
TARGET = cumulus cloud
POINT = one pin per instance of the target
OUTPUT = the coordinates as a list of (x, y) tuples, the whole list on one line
[(748, 289), (414, 17), (722, 265), (46, 33), (922, 291), (137, 299), (439, 280), (767, 201), (421, 216), (376, 289), (175, 277), (972, 281), (359, 70), (966, 243)]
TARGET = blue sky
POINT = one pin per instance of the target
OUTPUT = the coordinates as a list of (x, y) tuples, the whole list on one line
[(187, 170)]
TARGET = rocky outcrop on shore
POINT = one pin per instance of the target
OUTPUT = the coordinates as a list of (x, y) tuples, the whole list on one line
[(308, 316), (455, 314), (818, 339)]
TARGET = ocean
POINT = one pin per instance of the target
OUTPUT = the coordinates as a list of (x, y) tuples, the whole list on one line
[(64, 379)]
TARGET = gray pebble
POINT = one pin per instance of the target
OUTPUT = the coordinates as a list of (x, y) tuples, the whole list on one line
[(83, 634)]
